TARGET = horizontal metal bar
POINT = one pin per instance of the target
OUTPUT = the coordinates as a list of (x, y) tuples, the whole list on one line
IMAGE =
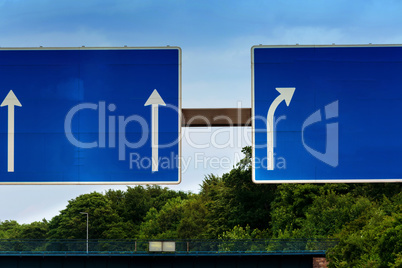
[(166, 254), (217, 117), (21, 247)]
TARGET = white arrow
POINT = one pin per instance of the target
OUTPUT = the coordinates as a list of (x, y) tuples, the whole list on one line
[(11, 101), (286, 94), (155, 100)]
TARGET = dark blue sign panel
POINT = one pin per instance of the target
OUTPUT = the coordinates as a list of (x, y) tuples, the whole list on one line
[(90, 116), (327, 114)]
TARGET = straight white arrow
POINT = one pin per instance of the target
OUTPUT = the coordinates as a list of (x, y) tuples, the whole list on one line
[(155, 100), (286, 94), (11, 101)]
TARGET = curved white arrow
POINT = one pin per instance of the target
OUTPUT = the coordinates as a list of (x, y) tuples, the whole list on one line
[(286, 94), (155, 100), (11, 101)]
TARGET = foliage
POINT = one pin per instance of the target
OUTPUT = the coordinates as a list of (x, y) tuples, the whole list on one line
[(71, 223), (163, 224), (238, 232), (34, 230), (193, 221), (9, 229), (365, 218), (234, 199), (372, 240)]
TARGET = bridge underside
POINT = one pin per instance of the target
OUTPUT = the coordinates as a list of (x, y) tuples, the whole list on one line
[(169, 261)]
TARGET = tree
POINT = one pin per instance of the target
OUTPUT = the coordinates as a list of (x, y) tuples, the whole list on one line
[(193, 222), (134, 204), (9, 229), (34, 230), (330, 212), (234, 199), (372, 240), (215, 199), (163, 224), (238, 232), (70, 224), (292, 202)]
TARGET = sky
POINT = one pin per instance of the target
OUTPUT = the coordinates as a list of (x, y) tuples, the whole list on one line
[(215, 38)]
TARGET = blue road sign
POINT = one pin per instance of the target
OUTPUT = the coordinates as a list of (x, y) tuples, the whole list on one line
[(327, 113), (90, 115)]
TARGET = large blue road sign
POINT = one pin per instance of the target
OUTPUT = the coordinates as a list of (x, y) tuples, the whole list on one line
[(90, 115), (327, 113)]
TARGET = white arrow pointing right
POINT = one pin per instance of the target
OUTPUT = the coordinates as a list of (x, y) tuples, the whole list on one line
[(11, 101), (286, 94)]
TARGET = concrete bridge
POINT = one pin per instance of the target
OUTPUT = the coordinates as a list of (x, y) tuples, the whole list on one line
[(161, 254)]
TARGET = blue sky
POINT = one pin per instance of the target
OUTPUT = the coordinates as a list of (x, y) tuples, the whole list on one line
[(215, 36)]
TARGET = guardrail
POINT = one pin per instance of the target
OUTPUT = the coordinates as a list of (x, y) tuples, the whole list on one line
[(181, 247)]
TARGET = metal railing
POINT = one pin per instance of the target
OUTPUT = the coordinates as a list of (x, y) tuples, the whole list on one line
[(187, 247)]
